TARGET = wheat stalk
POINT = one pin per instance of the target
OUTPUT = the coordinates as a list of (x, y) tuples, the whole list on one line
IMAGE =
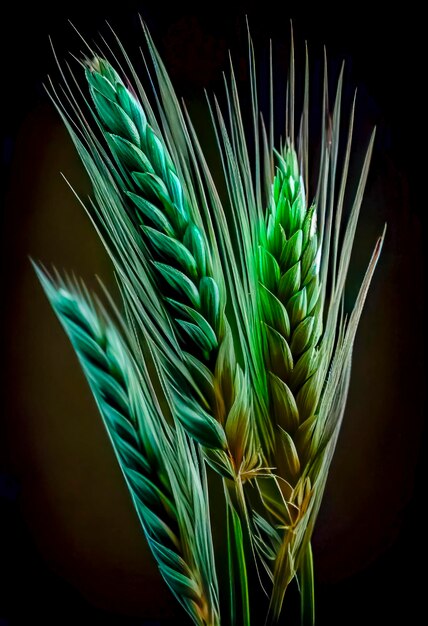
[(234, 331)]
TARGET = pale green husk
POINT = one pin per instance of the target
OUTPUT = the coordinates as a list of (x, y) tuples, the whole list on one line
[(233, 350)]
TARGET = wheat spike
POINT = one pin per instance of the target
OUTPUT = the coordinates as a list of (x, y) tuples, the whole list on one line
[(172, 507), (294, 266), (182, 260), (290, 296), (289, 267)]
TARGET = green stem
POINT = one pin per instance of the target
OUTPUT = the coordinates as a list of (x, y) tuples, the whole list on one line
[(232, 602), (307, 594), (242, 568), (236, 559)]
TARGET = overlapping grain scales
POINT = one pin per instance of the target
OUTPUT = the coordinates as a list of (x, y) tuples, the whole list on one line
[(290, 296)]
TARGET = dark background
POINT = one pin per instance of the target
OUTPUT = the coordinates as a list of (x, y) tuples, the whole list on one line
[(70, 548)]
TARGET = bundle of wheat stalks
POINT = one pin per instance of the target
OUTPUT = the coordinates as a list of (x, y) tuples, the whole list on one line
[(232, 355)]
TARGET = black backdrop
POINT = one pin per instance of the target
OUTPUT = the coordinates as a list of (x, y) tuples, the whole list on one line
[(370, 540)]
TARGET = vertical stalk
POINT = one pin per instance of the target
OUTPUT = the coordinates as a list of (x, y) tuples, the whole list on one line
[(306, 582), (242, 568), (237, 564), (231, 568)]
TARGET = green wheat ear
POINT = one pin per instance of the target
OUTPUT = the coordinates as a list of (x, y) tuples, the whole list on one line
[(233, 350), (183, 268), (172, 507)]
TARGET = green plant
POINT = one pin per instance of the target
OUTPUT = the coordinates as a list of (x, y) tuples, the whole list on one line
[(233, 352)]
